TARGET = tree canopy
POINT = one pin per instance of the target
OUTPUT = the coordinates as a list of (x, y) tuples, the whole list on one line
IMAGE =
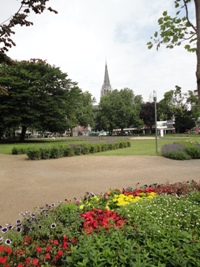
[(180, 106), (119, 109), (178, 29), (38, 96)]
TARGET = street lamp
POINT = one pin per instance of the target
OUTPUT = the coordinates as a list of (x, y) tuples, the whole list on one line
[(155, 100)]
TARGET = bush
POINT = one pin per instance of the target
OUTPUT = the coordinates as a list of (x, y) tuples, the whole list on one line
[(34, 153), (68, 151), (56, 152), (45, 153), (85, 149), (93, 148), (182, 150), (175, 151), (19, 150), (193, 149)]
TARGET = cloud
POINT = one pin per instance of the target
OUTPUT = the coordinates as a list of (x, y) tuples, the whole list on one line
[(86, 33)]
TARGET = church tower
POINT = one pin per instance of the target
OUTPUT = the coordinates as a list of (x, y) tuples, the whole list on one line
[(106, 87)]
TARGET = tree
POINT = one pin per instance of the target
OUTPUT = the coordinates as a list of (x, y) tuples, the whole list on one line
[(85, 113), (147, 114), (119, 109), (38, 96), (19, 18), (79, 109), (179, 29), (175, 104)]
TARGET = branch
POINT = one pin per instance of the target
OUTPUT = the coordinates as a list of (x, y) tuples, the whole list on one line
[(187, 16)]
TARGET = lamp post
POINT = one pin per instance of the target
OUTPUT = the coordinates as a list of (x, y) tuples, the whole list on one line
[(155, 100)]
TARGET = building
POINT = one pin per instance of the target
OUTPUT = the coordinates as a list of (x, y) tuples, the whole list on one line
[(106, 87)]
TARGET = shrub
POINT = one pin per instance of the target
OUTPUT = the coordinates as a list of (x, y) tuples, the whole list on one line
[(77, 149), (93, 148), (68, 151), (193, 149), (175, 151), (85, 149), (57, 152), (34, 153), (45, 153), (19, 150)]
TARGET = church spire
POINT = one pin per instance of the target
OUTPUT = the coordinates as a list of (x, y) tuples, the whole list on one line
[(106, 87)]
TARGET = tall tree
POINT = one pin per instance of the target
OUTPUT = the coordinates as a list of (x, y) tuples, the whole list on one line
[(179, 29), (175, 104), (147, 114), (119, 109), (38, 96)]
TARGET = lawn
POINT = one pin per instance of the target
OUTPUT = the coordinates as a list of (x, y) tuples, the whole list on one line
[(138, 147)]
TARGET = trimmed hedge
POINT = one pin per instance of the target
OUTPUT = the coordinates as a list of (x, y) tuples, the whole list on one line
[(36, 153)]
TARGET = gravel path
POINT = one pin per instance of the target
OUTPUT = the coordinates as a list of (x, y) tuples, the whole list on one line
[(26, 184)]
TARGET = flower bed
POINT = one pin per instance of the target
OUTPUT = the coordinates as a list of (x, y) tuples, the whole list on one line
[(155, 225)]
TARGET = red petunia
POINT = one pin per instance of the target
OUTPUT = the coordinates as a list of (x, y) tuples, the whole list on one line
[(35, 261), (8, 250), (48, 248), (2, 248), (47, 256), (38, 249), (3, 259)]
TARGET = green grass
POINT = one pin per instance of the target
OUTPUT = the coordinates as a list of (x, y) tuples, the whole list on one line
[(138, 147)]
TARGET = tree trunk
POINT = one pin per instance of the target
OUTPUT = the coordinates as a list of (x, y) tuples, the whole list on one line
[(197, 6), (23, 133)]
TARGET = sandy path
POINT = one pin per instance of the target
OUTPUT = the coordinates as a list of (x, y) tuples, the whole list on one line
[(25, 184)]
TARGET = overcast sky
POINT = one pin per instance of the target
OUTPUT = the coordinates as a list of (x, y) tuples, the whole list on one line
[(87, 33)]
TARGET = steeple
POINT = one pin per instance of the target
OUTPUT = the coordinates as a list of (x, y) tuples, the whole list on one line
[(106, 87)]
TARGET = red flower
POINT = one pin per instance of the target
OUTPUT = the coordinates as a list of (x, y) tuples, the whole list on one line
[(20, 265), (3, 259), (47, 256), (28, 260), (35, 261), (38, 249), (59, 253), (74, 240), (2, 248), (27, 239), (8, 250), (48, 248)]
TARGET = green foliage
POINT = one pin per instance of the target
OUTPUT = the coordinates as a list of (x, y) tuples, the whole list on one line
[(19, 150), (58, 151), (20, 18), (182, 151), (119, 109), (173, 31), (34, 153), (159, 232), (39, 96)]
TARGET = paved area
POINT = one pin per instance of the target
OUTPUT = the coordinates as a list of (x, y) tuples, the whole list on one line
[(25, 184)]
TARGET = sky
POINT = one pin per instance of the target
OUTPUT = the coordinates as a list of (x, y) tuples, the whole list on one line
[(85, 34)]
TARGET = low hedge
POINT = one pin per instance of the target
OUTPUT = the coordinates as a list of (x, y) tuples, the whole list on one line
[(36, 153), (182, 150)]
